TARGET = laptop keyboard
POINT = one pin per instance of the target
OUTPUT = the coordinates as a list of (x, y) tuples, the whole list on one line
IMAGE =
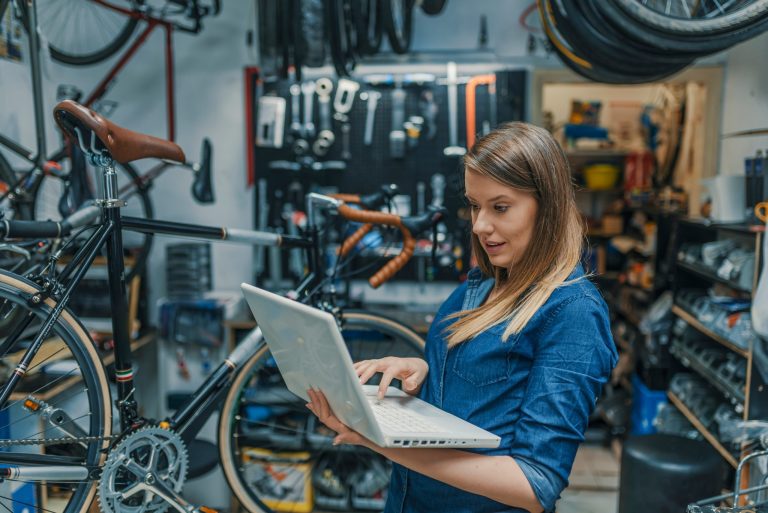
[(393, 418)]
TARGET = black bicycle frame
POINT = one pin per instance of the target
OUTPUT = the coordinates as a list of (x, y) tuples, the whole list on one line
[(189, 417)]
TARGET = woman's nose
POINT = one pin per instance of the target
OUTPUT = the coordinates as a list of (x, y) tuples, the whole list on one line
[(481, 225)]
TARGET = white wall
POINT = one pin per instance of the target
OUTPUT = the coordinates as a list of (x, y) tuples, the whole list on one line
[(745, 104)]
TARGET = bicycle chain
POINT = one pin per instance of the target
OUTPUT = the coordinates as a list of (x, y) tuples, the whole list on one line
[(56, 441)]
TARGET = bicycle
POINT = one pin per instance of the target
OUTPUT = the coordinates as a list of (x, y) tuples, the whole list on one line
[(56, 185), (141, 464)]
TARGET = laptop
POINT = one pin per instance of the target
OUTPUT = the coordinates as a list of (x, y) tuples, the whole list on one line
[(309, 350)]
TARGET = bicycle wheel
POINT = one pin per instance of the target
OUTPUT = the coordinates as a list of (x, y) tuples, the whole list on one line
[(63, 395), (260, 417), (102, 31), (696, 17), (56, 199), (712, 41)]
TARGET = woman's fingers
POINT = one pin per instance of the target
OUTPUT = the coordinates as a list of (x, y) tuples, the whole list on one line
[(386, 378)]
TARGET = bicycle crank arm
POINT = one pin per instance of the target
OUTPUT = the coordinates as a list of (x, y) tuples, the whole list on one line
[(56, 417), (152, 484), (45, 473)]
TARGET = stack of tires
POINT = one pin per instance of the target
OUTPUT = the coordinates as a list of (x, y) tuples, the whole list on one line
[(634, 41)]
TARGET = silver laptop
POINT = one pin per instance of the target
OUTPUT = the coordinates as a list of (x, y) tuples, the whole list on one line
[(310, 353)]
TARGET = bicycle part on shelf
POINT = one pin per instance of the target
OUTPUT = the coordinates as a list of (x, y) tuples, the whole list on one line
[(296, 127), (453, 149), (308, 90), (397, 134), (144, 473), (269, 125), (372, 98), (345, 95), (323, 143)]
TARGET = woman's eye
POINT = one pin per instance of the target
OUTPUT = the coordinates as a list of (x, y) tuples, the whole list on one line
[(501, 208)]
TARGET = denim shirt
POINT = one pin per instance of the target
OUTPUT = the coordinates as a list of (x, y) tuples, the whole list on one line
[(536, 391)]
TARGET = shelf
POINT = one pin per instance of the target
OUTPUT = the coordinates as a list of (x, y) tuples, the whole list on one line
[(597, 153), (705, 272), (731, 227), (692, 321), (613, 190), (703, 430), (711, 376)]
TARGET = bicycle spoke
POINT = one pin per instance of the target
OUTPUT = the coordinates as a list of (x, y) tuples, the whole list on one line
[(26, 504)]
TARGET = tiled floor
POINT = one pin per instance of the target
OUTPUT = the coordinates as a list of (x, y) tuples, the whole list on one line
[(594, 482)]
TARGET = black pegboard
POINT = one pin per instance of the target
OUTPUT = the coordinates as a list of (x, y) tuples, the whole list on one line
[(371, 166)]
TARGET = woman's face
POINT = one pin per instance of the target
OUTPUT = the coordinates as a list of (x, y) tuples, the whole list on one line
[(503, 218)]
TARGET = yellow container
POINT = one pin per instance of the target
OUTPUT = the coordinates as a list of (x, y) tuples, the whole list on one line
[(601, 176)]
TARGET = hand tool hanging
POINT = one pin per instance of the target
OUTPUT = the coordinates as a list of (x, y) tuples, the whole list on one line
[(453, 149), (471, 107)]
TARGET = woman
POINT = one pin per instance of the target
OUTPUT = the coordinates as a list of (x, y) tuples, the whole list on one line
[(521, 349)]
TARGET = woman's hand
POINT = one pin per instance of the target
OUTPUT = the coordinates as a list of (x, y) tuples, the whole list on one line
[(319, 406), (410, 371)]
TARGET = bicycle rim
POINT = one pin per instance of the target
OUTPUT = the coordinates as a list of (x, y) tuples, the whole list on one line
[(67, 376), (259, 419), (49, 204), (98, 31), (697, 17)]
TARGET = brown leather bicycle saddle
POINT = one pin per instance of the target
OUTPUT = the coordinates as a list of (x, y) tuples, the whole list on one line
[(122, 144)]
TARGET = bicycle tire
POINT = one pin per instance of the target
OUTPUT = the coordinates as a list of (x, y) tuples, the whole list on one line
[(310, 38), (747, 14), (47, 200), (691, 44), (586, 29), (583, 66), (397, 20), (231, 424), (97, 410), (366, 15), (108, 30)]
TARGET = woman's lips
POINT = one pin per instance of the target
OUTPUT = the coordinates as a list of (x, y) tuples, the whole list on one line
[(495, 248)]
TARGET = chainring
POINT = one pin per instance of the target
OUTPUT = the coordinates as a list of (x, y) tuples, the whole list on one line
[(150, 450)]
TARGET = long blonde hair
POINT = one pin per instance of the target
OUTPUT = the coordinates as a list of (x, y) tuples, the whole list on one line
[(527, 158)]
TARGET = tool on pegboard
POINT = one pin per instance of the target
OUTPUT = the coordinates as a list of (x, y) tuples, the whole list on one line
[(453, 149), (372, 99)]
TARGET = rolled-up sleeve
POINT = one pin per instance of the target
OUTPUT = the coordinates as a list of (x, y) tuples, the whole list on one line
[(573, 359)]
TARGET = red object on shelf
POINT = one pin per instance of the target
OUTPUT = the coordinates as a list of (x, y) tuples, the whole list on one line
[(638, 170)]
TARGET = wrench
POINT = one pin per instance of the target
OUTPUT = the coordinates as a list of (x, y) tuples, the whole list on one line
[(373, 99), (324, 86), (346, 154), (295, 109), (308, 89), (345, 95), (397, 135)]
